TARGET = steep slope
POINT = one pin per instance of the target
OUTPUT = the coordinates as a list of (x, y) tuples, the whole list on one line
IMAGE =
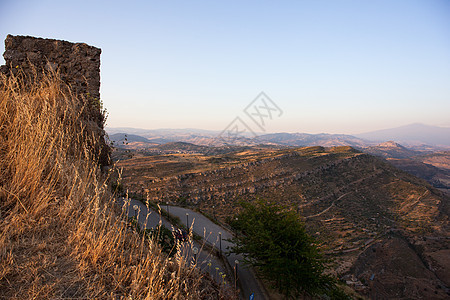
[(433, 167), (351, 201)]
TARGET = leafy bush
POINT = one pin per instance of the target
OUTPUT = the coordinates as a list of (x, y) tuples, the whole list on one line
[(274, 240)]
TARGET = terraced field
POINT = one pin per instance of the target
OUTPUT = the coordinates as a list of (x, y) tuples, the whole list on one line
[(352, 202)]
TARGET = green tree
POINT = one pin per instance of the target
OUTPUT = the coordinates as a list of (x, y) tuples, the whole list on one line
[(274, 240)]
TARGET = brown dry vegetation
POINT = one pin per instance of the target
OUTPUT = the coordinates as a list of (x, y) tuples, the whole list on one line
[(352, 203), (61, 235)]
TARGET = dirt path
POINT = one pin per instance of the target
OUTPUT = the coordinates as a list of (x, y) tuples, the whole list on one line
[(328, 208), (339, 198)]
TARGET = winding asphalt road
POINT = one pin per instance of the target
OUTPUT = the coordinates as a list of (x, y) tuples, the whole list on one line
[(148, 218), (217, 237)]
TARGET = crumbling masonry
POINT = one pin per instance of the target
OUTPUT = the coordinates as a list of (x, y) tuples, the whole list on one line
[(78, 65)]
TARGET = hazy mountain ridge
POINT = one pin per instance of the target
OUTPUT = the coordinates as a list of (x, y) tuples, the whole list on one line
[(415, 136), (212, 139), (391, 149), (123, 138), (129, 140), (433, 167), (166, 135), (305, 139), (410, 159)]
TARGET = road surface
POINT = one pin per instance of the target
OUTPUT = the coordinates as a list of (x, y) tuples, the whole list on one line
[(210, 232), (148, 218)]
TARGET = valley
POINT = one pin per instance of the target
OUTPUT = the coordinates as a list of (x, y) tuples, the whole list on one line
[(355, 205), (431, 165)]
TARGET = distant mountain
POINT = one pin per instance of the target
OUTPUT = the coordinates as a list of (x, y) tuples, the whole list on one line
[(167, 132), (210, 138), (433, 167), (391, 149), (182, 146), (414, 134), (167, 135), (127, 138), (321, 139), (128, 130)]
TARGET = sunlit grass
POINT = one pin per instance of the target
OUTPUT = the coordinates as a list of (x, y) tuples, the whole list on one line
[(61, 234)]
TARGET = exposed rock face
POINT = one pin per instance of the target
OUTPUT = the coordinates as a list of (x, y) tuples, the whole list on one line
[(78, 65), (386, 231)]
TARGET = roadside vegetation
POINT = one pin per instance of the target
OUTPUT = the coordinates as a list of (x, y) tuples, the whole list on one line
[(61, 233), (273, 239)]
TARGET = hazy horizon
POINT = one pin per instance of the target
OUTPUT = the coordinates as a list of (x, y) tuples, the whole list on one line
[(336, 67), (259, 133)]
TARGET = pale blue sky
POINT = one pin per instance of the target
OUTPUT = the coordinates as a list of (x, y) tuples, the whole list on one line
[(331, 66)]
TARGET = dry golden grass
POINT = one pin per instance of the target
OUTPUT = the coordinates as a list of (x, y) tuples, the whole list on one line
[(61, 235)]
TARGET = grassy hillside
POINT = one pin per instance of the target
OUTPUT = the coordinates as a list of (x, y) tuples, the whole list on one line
[(61, 234)]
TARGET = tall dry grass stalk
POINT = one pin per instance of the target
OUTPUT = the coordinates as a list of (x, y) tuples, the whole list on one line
[(61, 235)]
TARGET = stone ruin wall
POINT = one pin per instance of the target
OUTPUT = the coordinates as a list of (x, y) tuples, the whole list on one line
[(78, 65)]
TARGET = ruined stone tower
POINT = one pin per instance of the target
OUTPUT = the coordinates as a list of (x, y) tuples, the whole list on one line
[(78, 65)]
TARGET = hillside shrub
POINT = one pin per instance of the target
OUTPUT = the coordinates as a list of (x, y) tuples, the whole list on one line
[(274, 240)]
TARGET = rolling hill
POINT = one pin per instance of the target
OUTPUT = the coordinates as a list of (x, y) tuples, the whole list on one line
[(417, 136), (391, 149), (305, 139), (431, 166), (210, 138), (367, 214)]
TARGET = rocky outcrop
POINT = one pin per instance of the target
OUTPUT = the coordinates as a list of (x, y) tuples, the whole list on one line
[(384, 229), (234, 181)]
